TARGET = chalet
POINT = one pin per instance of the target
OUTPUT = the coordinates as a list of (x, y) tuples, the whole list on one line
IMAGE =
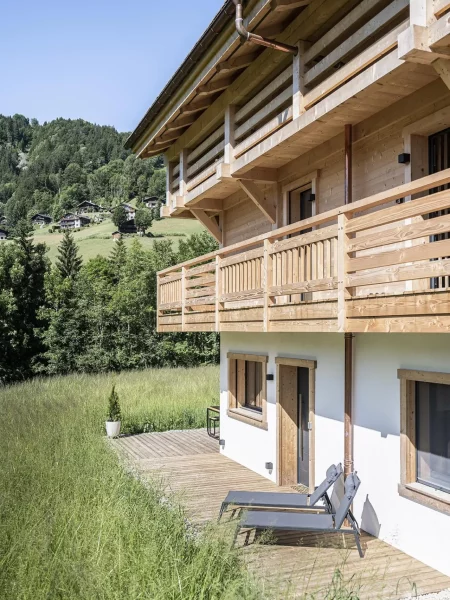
[(3, 234), (87, 207), (40, 219), (128, 227), (130, 210), (151, 202), (71, 221), (318, 160)]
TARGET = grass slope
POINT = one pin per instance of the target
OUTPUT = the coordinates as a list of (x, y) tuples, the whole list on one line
[(74, 524), (96, 239)]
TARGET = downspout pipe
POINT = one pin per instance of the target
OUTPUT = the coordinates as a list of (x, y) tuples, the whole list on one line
[(253, 38), (349, 349)]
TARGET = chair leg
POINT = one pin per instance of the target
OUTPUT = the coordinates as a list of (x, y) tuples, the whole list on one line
[(358, 544), (222, 510), (236, 531)]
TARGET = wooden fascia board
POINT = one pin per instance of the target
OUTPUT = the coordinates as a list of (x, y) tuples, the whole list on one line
[(226, 44)]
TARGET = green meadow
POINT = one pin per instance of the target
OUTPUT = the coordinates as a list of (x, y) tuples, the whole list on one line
[(96, 239)]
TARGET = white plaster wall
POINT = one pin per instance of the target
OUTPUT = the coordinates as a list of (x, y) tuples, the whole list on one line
[(413, 528), (416, 530), (254, 447)]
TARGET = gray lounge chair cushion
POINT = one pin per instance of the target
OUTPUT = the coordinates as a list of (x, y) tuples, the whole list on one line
[(267, 499), (332, 475), (287, 521)]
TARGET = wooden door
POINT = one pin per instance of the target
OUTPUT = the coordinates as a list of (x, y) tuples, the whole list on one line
[(287, 424)]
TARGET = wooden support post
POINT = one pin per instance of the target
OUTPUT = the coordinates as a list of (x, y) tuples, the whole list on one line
[(219, 292), (230, 113), (183, 298), (158, 300), (169, 178), (267, 282), (348, 191), (183, 172), (421, 12), (298, 89)]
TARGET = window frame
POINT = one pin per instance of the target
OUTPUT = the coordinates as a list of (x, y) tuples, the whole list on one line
[(409, 487), (236, 409)]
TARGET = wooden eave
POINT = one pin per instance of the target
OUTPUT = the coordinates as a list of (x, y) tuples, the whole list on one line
[(221, 66)]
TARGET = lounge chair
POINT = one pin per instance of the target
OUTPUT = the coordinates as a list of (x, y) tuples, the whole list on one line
[(241, 499), (320, 522)]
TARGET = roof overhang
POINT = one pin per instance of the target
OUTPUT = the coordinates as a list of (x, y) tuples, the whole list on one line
[(217, 59)]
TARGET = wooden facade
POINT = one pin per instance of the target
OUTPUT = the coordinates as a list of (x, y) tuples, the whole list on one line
[(252, 129)]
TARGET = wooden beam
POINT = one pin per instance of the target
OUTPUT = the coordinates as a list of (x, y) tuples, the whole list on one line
[(442, 67), (234, 64), (209, 204), (209, 223), (282, 5), (214, 86), (181, 122), (261, 174), (258, 197), (196, 105), (229, 134)]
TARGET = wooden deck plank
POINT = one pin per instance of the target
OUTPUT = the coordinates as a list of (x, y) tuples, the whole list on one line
[(190, 465)]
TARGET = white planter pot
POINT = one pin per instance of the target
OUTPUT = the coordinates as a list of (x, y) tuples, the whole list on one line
[(112, 428)]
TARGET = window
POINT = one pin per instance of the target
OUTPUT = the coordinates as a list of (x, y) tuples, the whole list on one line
[(247, 375), (433, 434), (425, 437)]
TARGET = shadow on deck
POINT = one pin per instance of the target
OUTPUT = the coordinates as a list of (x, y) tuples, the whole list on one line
[(192, 467)]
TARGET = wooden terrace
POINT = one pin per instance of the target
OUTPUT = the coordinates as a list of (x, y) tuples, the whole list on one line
[(378, 265), (192, 467)]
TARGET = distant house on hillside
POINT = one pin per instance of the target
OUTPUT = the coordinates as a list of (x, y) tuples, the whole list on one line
[(116, 235), (151, 202), (87, 206), (3, 234), (130, 210), (71, 221), (41, 219), (128, 227)]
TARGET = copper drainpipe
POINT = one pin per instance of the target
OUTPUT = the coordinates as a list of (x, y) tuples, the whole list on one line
[(258, 39), (348, 377)]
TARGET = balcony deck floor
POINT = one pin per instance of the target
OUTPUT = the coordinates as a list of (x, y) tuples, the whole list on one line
[(191, 466)]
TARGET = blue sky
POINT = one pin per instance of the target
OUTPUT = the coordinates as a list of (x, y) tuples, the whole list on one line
[(103, 61)]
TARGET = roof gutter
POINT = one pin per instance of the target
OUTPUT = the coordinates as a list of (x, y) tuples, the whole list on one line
[(253, 38)]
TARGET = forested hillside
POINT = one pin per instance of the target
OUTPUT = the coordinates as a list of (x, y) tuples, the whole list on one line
[(51, 168)]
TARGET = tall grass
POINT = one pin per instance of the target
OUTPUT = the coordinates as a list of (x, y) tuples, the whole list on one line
[(74, 524)]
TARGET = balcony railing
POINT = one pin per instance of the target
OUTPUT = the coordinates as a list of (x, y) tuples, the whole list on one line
[(369, 266)]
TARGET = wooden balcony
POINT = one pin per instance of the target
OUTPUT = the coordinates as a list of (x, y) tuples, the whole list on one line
[(279, 109), (371, 266)]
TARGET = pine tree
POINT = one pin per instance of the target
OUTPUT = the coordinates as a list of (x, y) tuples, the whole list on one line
[(69, 261), (118, 259)]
